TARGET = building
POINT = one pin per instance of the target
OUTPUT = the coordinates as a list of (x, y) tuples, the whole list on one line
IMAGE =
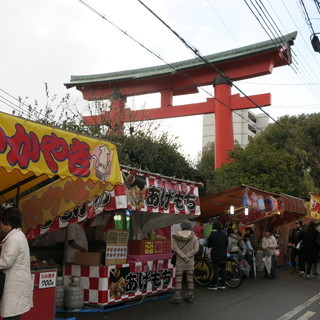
[(245, 124)]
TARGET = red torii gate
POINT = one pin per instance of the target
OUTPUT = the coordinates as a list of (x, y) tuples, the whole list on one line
[(185, 77)]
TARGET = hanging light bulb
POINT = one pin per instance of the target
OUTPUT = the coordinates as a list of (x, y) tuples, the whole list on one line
[(246, 211), (231, 209)]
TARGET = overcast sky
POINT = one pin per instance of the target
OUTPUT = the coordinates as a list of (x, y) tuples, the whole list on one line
[(48, 41)]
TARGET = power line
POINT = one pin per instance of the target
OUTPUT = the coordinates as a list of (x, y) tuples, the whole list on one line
[(196, 52), (158, 56), (271, 25), (19, 107)]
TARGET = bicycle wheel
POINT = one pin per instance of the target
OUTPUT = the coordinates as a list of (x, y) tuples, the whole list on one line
[(202, 272), (233, 274)]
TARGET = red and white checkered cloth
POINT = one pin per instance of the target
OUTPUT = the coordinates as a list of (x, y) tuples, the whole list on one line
[(96, 280)]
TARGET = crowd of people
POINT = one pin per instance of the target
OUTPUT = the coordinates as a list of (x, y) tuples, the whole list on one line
[(304, 244), (222, 242)]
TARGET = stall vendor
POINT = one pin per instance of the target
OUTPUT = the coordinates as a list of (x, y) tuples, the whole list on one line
[(76, 241)]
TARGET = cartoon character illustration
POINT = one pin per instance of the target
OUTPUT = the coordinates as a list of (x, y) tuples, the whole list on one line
[(102, 163)]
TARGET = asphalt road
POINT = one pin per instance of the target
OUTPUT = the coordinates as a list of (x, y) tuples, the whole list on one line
[(288, 297)]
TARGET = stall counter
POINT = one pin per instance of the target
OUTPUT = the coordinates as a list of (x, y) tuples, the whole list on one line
[(105, 285), (44, 286)]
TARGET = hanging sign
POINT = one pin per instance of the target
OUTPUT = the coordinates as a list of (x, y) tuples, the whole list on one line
[(153, 193), (30, 146), (315, 205)]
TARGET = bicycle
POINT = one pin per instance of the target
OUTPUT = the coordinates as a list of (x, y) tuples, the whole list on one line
[(203, 272)]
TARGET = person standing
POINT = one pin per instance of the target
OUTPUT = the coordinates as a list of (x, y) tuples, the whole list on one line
[(15, 263), (233, 242), (294, 238), (309, 247), (249, 235), (185, 244), (218, 242), (76, 241), (269, 245)]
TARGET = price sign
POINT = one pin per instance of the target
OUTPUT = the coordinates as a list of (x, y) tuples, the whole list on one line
[(47, 279)]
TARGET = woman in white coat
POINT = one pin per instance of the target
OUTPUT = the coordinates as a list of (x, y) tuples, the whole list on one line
[(15, 262)]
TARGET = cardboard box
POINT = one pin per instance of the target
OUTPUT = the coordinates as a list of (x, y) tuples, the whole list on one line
[(118, 237), (87, 258)]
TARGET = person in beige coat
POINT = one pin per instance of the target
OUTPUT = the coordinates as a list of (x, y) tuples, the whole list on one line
[(185, 244), (15, 262), (269, 245)]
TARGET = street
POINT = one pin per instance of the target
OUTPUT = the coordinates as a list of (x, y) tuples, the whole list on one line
[(288, 297)]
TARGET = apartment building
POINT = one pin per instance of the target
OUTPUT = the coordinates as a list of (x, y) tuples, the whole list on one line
[(245, 124)]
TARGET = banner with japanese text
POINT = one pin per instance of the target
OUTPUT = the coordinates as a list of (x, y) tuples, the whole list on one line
[(137, 279), (71, 201), (315, 205), (61, 197), (30, 146), (147, 192)]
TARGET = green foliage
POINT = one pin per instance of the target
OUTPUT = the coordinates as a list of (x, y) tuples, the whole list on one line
[(302, 141), (205, 168), (284, 158), (155, 154), (265, 167)]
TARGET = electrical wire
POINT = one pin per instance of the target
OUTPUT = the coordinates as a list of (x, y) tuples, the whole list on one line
[(19, 107), (263, 12), (158, 56), (197, 53)]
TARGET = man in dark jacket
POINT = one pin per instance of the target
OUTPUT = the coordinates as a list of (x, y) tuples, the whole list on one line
[(218, 242), (294, 238)]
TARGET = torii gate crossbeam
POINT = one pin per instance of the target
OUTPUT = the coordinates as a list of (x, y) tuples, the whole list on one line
[(185, 77)]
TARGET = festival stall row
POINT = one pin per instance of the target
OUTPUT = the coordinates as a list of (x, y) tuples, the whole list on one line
[(248, 206), (33, 154)]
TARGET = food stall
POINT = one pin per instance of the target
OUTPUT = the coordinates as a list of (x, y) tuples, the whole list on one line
[(137, 261), (32, 154), (248, 206)]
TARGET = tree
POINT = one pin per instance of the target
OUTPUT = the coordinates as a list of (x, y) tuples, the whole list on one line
[(265, 167), (205, 167), (300, 136)]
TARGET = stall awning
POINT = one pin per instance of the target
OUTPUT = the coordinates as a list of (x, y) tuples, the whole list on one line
[(31, 153), (274, 209), (217, 204)]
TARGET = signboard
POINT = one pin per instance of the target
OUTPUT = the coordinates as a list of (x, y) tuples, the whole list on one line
[(147, 192), (315, 205), (47, 279), (30, 146), (139, 279)]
